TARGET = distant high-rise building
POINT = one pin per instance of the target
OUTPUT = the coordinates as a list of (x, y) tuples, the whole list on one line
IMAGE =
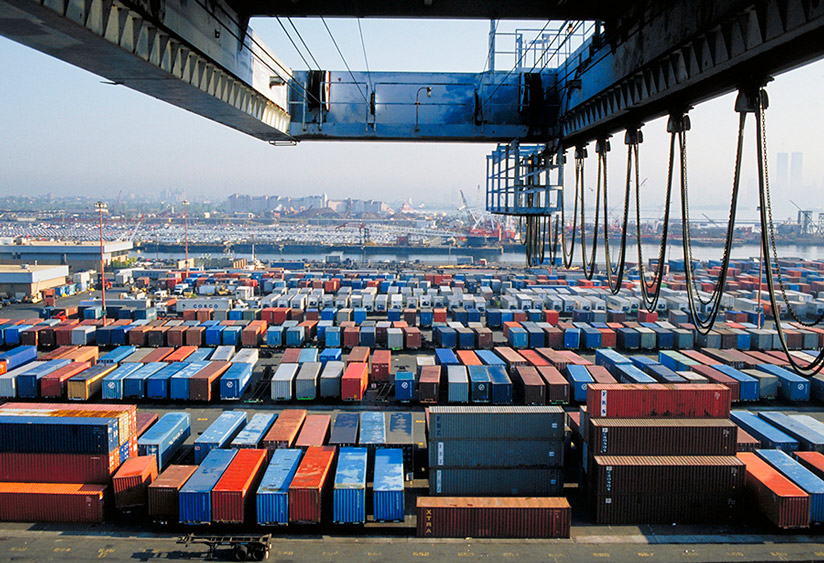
[(796, 170), (781, 171)]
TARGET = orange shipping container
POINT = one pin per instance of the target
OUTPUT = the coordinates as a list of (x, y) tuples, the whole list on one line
[(233, 493), (59, 353), (163, 493), (180, 354), (131, 481), (354, 381), (51, 502), (157, 355), (283, 432), (206, 382), (83, 354), (468, 358), (315, 431), (305, 495)]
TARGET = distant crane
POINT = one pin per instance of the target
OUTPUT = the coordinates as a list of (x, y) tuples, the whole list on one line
[(473, 219), (136, 227), (805, 219)]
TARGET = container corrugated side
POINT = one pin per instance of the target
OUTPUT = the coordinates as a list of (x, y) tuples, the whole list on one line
[(801, 476), (307, 487), (165, 437), (349, 493), (496, 482), (666, 475), (131, 481), (232, 493), (496, 453), (51, 502), (163, 493), (503, 423), (271, 499), (388, 490), (781, 501), (462, 517), (632, 436), (220, 433), (196, 495), (657, 399)]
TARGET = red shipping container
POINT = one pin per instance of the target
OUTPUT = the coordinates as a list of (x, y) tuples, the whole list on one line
[(429, 384), (53, 385), (58, 468), (699, 357), (508, 325), (190, 315), (530, 385), (204, 315), (381, 365), (137, 335), (163, 492), (132, 479), (194, 335), (180, 354), (600, 374), (174, 336), (491, 517), (290, 356), (296, 315), (716, 376), (234, 492), (554, 357), (534, 358), (358, 355), (285, 430), (51, 502), (483, 338), (746, 443), (574, 358), (305, 494), (412, 338), (410, 316), (206, 382), (351, 336), (608, 337), (439, 315), (145, 421), (551, 316), (647, 317), (354, 381), (466, 357), (557, 386), (158, 355), (782, 502), (656, 399), (315, 431)]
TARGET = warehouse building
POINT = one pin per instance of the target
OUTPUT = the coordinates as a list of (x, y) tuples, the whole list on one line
[(75, 255), (25, 281)]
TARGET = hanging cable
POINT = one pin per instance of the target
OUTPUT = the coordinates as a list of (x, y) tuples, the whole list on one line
[(677, 126), (365, 59), (632, 138), (355, 82), (580, 154), (761, 102), (703, 324), (305, 46), (289, 37), (601, 148)]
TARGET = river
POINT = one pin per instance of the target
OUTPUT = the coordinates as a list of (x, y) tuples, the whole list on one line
[(517, 258)]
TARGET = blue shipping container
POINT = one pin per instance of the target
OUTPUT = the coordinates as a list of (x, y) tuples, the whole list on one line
[(579, 379), (764, 432), (157, 384), (272, 500), (254, 431), (164, 438), (791, 387), (445, 357), (748, 386), (28, 385), (117, 355), (179, 381), (47, 434), (234, 381), (134, 385), (388, 492), (500, 386), (809, 439), (405, 386), (195, 498), (349, 492), (113, 382), (219, 434)]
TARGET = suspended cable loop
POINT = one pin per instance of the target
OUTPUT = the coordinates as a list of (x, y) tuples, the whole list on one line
[(768, 238), (615, 277)]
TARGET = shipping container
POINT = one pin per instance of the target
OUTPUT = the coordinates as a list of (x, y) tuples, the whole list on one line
[(791, 387), (496, 453), (134, 384), (766, 433), (165, 437), (785, 504), (349, 493), (531, 481), (463, 517), (58, 468), (272, 494), (557, 387), (306, 381), (314, 432), (220, 433), (158, 384), (114, 382), (117, 355), (235, 380), (307, 487), (641, 401), (88, 383), (660, 437), (457, 384), (354, 381), (195, 496), (388, 488), (285, 430), (496, 423), (130, 483), (405, 387), (163, 492), (579, 381), (500, 386), (330, 378), (52, 502), (252, 434), (809, 439), (800, 476), (232, 494)]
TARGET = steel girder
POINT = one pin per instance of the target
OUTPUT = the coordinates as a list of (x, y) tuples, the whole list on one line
[(672, 55)]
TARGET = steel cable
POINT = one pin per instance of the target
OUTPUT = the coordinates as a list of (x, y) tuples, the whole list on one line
[(631, 138)]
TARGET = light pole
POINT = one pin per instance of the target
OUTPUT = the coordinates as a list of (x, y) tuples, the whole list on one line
[(100, 207), (186, 233), (418, 102)]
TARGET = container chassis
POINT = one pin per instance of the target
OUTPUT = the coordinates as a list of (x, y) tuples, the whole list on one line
[(243, 547)]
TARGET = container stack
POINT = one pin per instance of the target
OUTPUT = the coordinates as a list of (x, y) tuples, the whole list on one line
[(659, 453), (57, 460), (496, 451)]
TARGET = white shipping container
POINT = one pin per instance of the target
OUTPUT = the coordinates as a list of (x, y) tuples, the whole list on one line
[(282, 382)]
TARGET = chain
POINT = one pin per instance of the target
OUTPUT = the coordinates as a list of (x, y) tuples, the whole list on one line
[(781, 284)]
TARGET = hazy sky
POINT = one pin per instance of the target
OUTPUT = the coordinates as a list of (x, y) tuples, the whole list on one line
[(62, 130)]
